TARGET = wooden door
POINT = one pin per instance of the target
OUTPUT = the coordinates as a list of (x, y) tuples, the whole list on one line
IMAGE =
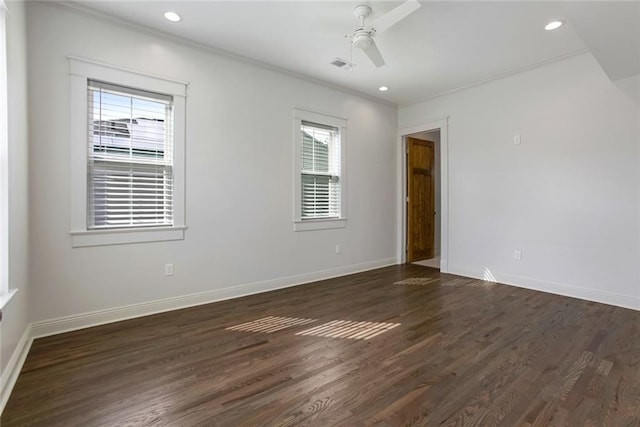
[(420, 200)]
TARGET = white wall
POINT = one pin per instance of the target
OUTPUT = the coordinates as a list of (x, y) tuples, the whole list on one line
[(630, 86), (239, 174), (15, 313), (568, 197)]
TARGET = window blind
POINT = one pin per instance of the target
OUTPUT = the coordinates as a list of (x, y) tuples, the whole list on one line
[(320, 171), (130, 157)]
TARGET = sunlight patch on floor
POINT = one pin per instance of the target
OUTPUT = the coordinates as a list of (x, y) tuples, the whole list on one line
[(349, 329), (270, 324), (433, 262)]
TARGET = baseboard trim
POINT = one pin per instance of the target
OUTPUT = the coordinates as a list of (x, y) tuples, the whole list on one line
[(14, 366), (618, 300), (100, 317)]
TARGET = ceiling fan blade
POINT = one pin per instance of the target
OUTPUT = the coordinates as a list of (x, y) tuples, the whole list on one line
[(374, 54), (395, 15)]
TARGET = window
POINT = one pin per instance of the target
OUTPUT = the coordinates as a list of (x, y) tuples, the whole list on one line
[(319, 171), (130, 157), (127, 137)]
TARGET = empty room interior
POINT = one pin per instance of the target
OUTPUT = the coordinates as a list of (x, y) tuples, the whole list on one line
[(322, 213)]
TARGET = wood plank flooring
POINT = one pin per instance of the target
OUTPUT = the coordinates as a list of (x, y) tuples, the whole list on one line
[(466, 353)]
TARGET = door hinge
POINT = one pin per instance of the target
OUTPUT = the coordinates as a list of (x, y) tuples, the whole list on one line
[(407, 199)]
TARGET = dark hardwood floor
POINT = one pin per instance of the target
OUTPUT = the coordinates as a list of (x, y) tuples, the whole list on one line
[(466, 353)]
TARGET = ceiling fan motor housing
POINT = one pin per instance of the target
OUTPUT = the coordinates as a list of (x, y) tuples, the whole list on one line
[(361, 39)]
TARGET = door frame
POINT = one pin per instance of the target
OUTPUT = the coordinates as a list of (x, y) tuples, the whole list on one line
[(443, 126)]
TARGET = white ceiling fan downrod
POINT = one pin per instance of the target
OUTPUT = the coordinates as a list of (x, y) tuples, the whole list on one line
[(361, 38)]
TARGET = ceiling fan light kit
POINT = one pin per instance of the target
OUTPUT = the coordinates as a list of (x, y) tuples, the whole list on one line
[(362, 37)]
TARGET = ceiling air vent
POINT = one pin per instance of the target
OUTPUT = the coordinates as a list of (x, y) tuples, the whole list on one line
[(341, 63)]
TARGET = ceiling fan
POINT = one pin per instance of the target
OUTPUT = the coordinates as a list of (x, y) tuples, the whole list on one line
[(362, 37)]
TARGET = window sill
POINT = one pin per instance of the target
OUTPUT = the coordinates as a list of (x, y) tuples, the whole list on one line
[(5, 298), (319, 224), (123, 236)]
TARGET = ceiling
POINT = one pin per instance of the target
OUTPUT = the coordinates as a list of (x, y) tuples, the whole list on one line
[(441, 47)]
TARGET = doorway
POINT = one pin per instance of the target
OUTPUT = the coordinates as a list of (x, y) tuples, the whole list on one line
[(423, 198), (425, 239)]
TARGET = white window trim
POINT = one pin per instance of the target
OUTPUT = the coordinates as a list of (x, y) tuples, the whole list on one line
[(300, 115), (80, 70), (6, 297), (5, 294)]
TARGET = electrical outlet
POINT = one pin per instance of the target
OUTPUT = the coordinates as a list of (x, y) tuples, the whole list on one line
[(338, 249), (168, 269), (517, 139), (517, 255)]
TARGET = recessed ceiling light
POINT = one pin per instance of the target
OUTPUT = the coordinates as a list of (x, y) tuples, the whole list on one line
[(383, 88), (553, 25), (172, 16)]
